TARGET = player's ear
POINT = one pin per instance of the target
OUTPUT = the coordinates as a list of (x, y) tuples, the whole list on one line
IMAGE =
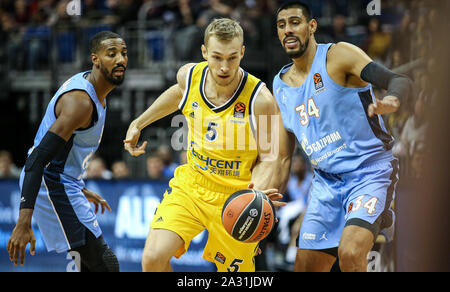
[(95, 60), (204, 52), (313, 26), (242, 51)]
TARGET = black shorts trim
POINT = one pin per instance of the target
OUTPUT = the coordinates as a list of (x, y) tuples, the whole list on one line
[(331, 251), (374, 228)]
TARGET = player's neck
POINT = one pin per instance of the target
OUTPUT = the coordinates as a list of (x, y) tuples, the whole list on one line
[(102, 87), (303, 64), (223, 92)]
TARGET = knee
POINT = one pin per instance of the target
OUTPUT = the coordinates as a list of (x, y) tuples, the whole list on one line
[(153, 261), (352, 258)]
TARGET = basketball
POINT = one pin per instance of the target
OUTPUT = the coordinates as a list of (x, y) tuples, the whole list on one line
[(248, 215)]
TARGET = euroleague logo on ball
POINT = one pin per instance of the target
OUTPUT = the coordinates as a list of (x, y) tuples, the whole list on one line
[(248, 215)]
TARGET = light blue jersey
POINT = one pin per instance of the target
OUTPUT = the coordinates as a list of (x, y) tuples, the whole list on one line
[(72, 163), (62, 211), (355, 173), (330, 121)]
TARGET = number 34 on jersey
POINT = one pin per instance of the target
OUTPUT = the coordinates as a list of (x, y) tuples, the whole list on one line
[(307, 111)]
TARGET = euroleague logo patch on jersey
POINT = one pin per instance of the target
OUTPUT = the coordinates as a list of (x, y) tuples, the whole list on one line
[(220, 258), (318, 82), (239, 110)]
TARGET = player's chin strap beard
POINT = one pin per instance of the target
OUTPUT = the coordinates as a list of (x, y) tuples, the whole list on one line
[(301, 51)]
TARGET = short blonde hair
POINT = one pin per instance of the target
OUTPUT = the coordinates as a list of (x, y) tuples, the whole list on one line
[(224, 29)]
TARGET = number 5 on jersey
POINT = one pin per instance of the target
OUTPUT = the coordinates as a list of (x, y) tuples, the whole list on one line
[(307, 111)]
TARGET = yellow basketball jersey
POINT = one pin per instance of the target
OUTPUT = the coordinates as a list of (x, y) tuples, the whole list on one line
[(221, 143)]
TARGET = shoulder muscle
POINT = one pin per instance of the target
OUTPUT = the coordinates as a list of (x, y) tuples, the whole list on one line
[(182, 74), (348, 57), (265, 103), (74, 110)]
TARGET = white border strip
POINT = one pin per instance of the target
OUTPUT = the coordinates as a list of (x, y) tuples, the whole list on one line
[(232, 97), (186, 90), (252, 113)]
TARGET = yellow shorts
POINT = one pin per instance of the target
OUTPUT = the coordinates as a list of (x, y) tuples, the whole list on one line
[(192, 204)]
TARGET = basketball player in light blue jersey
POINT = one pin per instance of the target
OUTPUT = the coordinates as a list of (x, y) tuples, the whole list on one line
[(52, 188), (327, 102)]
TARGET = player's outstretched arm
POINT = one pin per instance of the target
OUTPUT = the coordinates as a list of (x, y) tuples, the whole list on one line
[(275, 147), (164, 105), (355, 62), (73, 110)]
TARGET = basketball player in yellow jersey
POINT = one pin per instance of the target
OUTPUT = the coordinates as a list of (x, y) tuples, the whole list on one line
[(223, 106)]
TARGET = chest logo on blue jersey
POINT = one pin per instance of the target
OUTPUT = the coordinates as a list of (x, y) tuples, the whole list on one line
[(318, 82)]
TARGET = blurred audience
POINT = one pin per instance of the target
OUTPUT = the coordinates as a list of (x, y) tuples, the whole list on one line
[(418, 160), (378, 41), (297, 195), (401, 40), (414, 130), (7, 167), (166, 154), (338, 31), (300, 180), (155, 168), (120, 170), (97, 169)]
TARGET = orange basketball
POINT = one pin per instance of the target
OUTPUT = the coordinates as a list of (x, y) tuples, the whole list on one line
[(248, 215)]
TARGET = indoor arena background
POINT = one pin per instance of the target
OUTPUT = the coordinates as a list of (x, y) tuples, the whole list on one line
[(43, 43)]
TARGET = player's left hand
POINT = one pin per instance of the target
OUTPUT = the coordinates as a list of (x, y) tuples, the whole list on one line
[(96, 200), (20, 237), (272, 194), (389, 104)]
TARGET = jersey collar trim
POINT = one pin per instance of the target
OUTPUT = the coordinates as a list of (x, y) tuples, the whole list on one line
[(236, 94)]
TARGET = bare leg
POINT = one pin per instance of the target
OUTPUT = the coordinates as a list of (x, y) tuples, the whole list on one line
[(356, 243), (313, 261), (159, 248)]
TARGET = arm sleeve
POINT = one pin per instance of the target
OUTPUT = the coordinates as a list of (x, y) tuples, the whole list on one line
[(397, 85), (51, 144)]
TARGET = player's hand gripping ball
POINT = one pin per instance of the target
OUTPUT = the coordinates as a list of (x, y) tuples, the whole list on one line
[(248, 215)]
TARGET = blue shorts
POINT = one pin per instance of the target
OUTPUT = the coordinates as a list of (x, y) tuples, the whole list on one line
[(362, 197), (63, 213)]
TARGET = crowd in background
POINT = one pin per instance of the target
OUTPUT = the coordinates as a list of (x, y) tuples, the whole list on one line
[(399, 38)]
